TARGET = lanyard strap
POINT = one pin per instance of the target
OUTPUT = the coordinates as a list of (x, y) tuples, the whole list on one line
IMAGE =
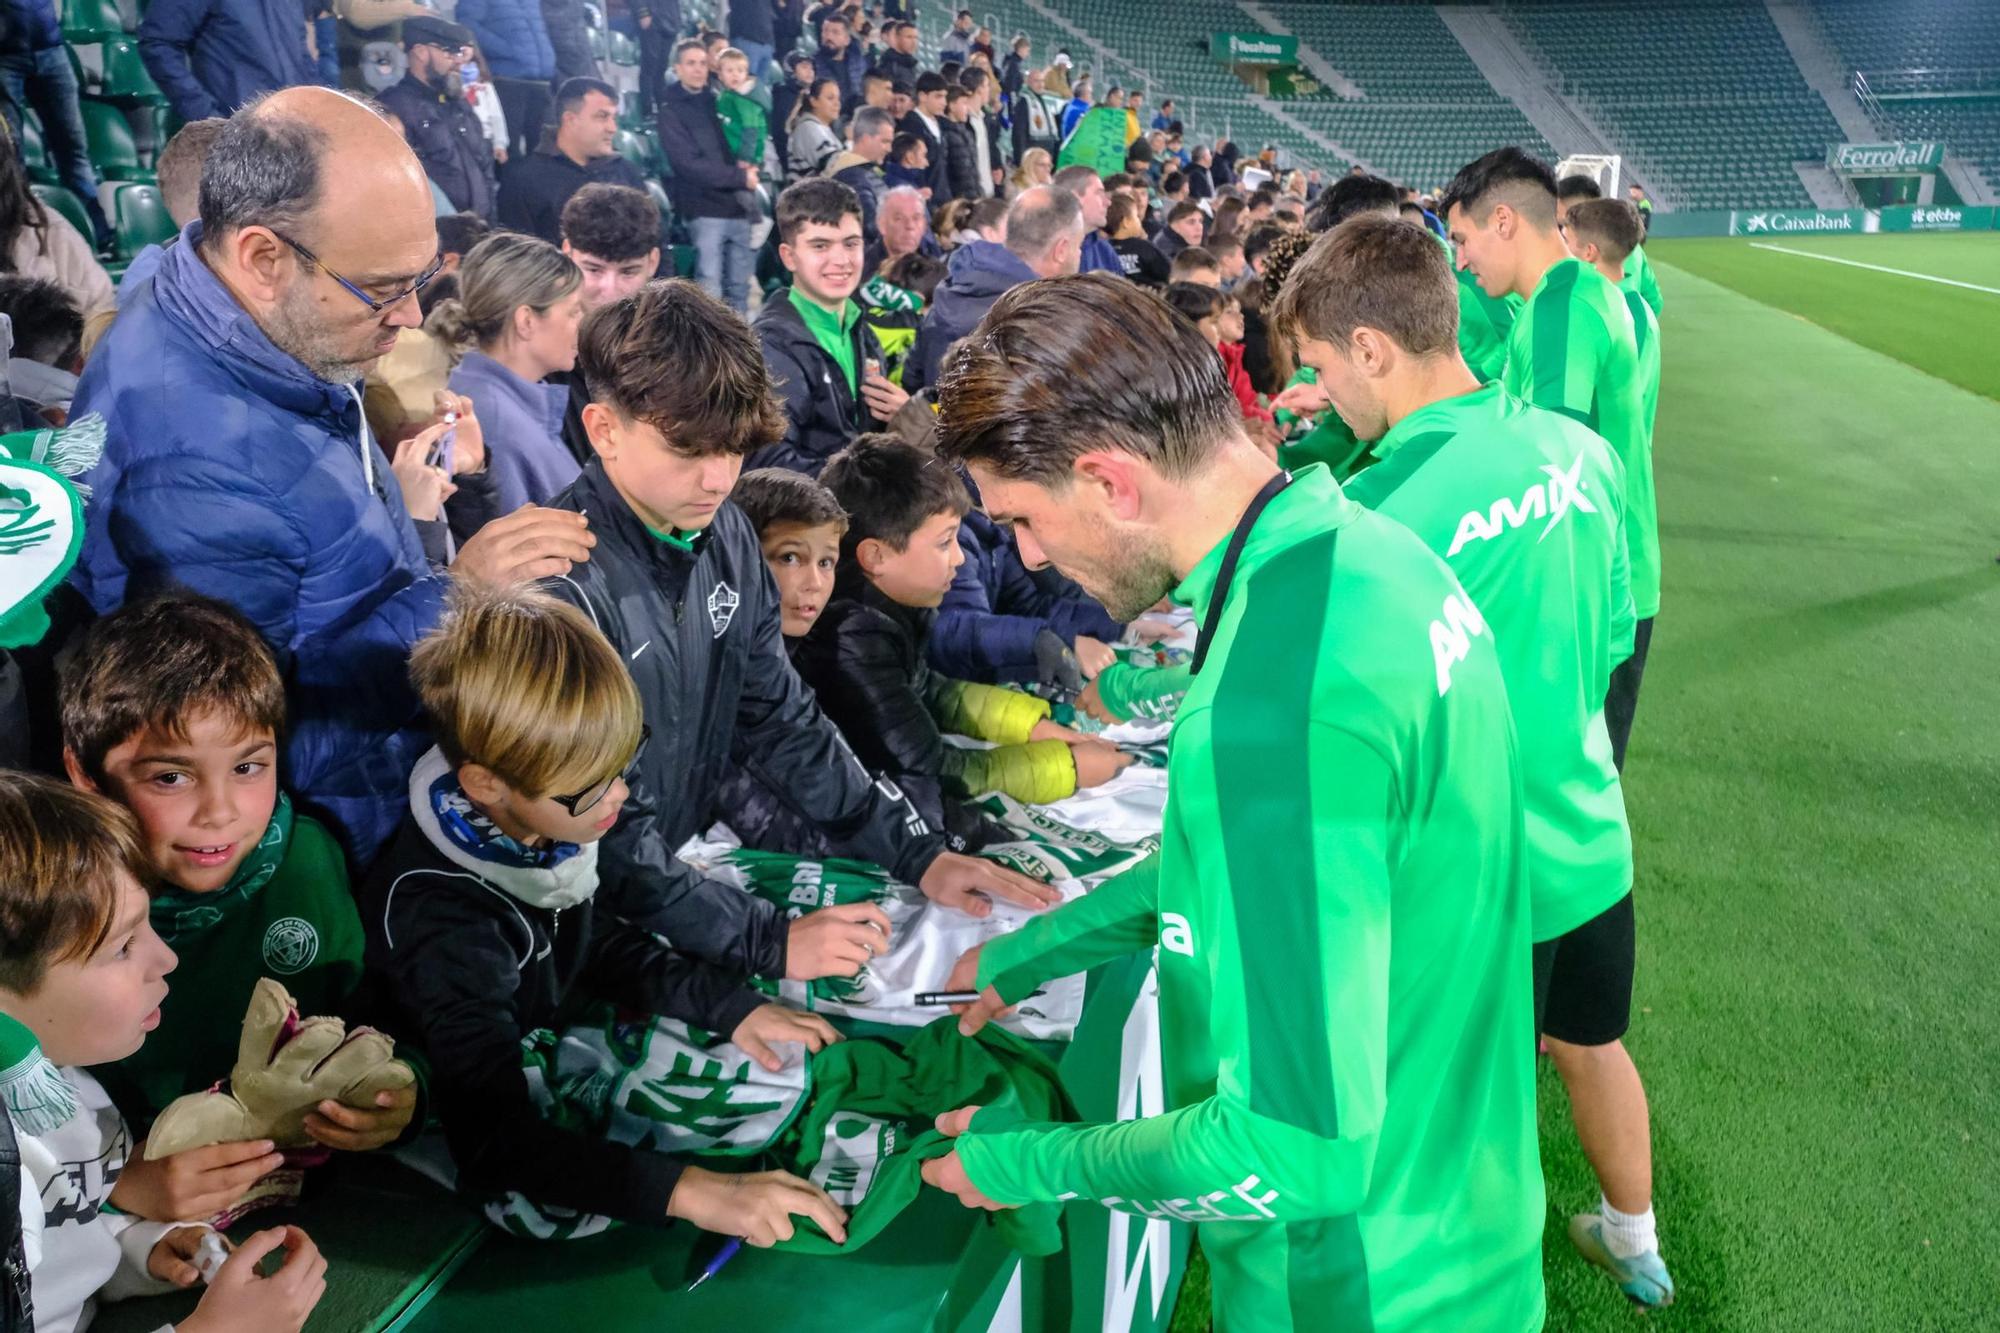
[(1227, 574)]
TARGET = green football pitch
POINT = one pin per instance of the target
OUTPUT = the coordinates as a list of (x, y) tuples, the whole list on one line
[(1814, 784)]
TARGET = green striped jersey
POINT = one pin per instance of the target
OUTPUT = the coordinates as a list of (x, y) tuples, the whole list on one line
[(1573, 349), (1526, 506), (1340, 905)]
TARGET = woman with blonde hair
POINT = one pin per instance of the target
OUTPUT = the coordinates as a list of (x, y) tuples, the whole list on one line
[(514, 322), (1037, 168)]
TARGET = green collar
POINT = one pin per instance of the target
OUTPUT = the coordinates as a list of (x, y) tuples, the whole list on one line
[(1445, 414), (674, 537), (177, 913), (821, 322), (1313, 501)]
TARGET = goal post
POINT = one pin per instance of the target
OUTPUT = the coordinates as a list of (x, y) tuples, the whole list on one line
[(1603, 170)]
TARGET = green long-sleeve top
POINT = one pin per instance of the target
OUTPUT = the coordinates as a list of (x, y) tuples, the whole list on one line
[(1528, 507), (1573, 349), (1341, 908)]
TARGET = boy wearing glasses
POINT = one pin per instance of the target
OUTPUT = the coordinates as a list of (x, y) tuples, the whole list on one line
[(483, 929)]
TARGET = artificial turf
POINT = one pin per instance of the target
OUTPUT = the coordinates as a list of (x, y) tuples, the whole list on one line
[(1814, 784)]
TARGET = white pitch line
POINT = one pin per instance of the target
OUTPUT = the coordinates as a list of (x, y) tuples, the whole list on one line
[(1876, 268)]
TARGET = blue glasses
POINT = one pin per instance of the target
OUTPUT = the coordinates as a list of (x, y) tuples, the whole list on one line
[(374, 306)]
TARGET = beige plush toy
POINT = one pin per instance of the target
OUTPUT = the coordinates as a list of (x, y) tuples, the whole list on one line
[(285, 1067)]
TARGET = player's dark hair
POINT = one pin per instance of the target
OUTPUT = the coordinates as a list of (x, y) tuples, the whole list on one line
[(1613, 225), (1505, 175), (1578, 187), (1348, 196)]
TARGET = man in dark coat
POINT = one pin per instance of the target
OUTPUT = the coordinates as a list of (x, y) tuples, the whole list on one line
[(438, 123)]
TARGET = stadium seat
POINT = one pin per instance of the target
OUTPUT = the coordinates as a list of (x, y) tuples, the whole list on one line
[(659, 195), (112, 149), (139, 218), (126, 79), (622, 50), (600, 44), (66, 203), (634, 149), (86, 21), (35, 154)]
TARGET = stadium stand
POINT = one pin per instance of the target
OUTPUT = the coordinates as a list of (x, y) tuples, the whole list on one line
[(1933, 68), (1704, 95)]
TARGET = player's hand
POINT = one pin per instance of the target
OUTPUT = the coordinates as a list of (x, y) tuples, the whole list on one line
[(771, 1024), (172, 1259), (242, 1300), (1097, 762), (530, 543), (885, 398), (1302, 399), (1048, 730), (1147, 629), (989, 1005), (948, 1173), (200, 1182), (835, 941), (968, 884), (759, 1206), (363, 1128)]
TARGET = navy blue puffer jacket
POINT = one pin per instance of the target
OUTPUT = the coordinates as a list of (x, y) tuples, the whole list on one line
[(513, 36), (231, 470)]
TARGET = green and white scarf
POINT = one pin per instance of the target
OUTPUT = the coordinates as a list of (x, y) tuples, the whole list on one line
[(177, 913), (39, 1099)]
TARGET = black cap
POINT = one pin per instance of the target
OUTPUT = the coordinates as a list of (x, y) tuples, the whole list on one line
[(423, 31)]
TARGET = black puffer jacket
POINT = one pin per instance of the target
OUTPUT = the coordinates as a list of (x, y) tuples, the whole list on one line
[(462, 970), (865, 660), (698, 628), (961, 158), (821, 413)]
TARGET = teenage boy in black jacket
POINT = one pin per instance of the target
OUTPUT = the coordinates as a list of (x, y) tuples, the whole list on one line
[(483, 927), (823, 357), (676, 581)]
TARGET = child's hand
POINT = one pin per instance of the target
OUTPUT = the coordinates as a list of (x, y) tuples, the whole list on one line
[(885, 398), (1091, 704), (1097, 762), (363, 1128), (1147, 629), (970, 884), (200, 1182), (1093, 655), (172, 1260), (771, 1024), (759, 1207), (835, 941), (241, 1300), (1046, 730), (1302, 399)]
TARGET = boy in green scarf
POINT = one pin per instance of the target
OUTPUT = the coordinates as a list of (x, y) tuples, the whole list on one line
[(173, 708)]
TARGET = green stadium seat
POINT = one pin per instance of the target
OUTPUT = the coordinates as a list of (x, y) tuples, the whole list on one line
[(35, 154), (659, 195), (600, 44), (622, 50), (86, 21), (139, 218), (634, 149), (66, 203), (113, 151), (126, 79)]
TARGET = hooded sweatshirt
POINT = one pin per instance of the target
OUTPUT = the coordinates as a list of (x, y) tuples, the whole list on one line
[(979, 273)]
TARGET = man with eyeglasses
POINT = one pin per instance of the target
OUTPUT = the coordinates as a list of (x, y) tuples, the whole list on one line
[(438, 123), (237, 462)]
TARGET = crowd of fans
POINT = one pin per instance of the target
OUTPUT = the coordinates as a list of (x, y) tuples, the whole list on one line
[(410, 480)]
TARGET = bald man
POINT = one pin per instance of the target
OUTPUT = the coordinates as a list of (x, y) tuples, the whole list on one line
[(237, 462)]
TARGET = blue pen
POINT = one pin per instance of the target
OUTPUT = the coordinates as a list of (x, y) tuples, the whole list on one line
[(722, 1256)]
